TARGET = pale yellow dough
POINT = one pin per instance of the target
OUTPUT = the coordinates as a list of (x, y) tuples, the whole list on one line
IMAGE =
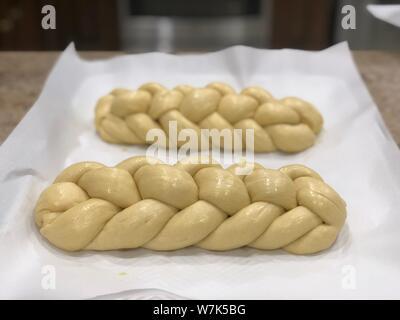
[(161, 207), (289, 124)]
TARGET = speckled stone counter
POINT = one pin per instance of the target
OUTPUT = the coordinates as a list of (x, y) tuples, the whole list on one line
[(22, 75)]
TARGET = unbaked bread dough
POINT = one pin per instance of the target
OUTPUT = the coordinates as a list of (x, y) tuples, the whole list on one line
[(289, 124), (161, 207)]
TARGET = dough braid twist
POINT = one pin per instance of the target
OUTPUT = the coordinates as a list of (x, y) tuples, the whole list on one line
[(289, 125), (161, 207)]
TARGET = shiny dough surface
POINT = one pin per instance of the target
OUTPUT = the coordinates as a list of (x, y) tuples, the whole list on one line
[(157, 206), (290, 124)]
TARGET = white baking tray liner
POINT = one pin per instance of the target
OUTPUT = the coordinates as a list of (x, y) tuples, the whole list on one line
[(354, 153)]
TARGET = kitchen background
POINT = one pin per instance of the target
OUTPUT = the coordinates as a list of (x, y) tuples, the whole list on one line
[(191, 25)]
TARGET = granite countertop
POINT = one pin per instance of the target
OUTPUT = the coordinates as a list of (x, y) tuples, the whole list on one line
[(22, 75)]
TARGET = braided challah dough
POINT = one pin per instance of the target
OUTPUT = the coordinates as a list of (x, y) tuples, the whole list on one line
[(289, 124), (161, 207)]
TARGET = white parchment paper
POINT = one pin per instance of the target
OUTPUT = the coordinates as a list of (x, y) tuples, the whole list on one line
[(354, 153), (388, 13)]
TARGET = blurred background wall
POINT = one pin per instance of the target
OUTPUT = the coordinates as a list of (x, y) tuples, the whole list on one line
[(191, 25)]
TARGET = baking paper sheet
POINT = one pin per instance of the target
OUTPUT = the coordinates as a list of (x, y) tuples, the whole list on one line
[(354, 153), (387, 13)]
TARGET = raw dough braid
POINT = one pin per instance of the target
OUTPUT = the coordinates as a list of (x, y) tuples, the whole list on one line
[(161, 207), (289, 125)]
